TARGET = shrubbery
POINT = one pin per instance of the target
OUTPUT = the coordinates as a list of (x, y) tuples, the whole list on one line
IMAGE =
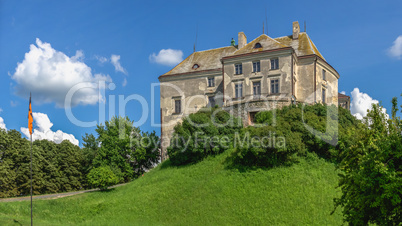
[(207, 132), (102, 177), (303, 129), (278, 137)]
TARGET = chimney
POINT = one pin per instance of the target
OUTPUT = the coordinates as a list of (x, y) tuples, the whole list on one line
[(242, 40), (296, 30)]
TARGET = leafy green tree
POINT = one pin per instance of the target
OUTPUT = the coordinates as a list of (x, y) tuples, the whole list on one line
[(371, 178), (123, 147), (102, 177), (8, 152), (91, 146)]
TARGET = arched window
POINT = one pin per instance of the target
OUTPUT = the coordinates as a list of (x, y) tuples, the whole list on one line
[(196, 66), (257, 45)]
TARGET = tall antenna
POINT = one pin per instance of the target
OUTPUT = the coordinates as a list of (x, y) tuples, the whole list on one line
[(263, 31), (304, 26), (266, 20), (196, 35)]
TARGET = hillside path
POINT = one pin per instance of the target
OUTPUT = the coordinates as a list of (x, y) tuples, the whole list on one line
[(52, 196)]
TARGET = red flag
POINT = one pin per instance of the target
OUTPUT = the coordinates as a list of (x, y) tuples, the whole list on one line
[(30, 118)]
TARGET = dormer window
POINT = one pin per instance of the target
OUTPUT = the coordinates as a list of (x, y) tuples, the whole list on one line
[(196, 66), (257, 45)]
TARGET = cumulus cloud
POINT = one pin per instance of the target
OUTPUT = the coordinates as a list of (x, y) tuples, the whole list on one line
[(2, 124), (124, 82), (169, 57), (396, 49), (360, 103), (44, 132), (343, 92), (115, 59), (49, 74)]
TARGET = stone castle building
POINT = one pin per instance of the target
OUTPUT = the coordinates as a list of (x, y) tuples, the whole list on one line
[(244, 79)]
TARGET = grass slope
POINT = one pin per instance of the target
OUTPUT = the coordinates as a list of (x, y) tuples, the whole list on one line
[(204, 193)]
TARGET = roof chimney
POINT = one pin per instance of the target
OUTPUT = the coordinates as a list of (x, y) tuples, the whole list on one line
[(296, 30), (242, 40)]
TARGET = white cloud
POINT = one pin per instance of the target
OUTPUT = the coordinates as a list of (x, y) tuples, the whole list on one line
[(117, 66), (396, 49), (169, 57), (343, 92), (43, 130), (101, 59), (360, 103), (2, 124), (49, 74), (124, 82)]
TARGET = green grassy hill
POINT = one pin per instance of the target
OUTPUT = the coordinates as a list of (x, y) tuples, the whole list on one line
[(206, 193)]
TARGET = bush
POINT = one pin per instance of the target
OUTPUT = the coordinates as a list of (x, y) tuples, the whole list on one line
[(102, 177), (207, 132), (264, 117), (294, 124)]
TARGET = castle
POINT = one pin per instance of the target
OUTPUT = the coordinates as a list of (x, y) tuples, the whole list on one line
[(244, 79)]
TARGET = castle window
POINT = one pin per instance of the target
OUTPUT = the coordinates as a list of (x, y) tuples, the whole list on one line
[(274, 64), (239, 90), (256, 66), (257, 45), (257, 89), (177, 106), (275, 86), (323, 75), (238, 69), (324, 96), (211, 100), (211, 82), (196, 66)]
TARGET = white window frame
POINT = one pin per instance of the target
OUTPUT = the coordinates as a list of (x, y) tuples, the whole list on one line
[(211, 81), (278, 85), (238, 69), (274, 63), (238, 91), (256, 66)]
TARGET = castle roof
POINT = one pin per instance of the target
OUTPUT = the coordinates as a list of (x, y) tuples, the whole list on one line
[(208, 60)]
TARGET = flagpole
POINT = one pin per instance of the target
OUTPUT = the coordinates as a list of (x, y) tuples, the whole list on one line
[(31, 181), (30, 120)]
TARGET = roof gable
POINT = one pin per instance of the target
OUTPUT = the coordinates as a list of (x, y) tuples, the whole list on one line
[(266, 42)]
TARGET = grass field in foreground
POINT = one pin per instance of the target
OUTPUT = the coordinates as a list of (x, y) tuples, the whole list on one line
[(205, 193)]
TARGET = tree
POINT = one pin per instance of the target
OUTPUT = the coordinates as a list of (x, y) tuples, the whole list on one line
[(123, 147), (371, 178)]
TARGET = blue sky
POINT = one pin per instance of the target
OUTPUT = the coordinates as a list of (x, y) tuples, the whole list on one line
[(120, 42)]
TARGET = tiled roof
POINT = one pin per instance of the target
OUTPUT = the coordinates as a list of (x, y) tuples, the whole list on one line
[(211, 59), (206, 60), (341, 96), (303, 45)]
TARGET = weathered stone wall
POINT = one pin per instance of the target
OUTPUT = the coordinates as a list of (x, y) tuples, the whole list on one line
[(192, 91)]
